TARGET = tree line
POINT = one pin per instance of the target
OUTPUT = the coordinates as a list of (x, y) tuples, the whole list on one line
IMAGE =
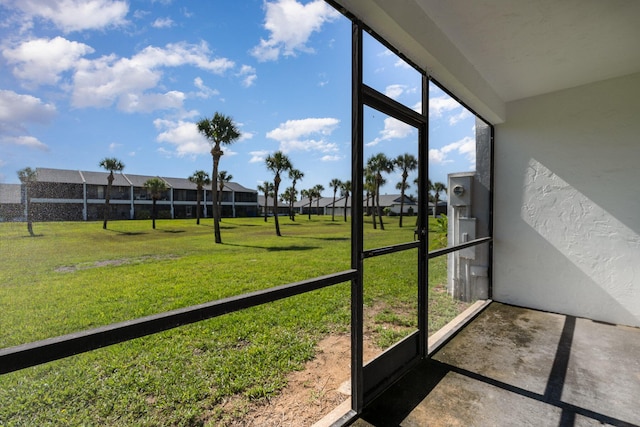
[(220, 130)]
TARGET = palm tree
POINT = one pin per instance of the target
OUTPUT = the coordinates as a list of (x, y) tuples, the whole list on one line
[(317, 192), (378, 164), (370, 188), (403, 187), (289, 196), (295, 175), (156, 187), (335, 184), (267, 189), (406, 162), (27, 177), (308, 194), (218, 130), (345, 191), (200, 179), (277, 163), (111, 164), (438, 188), (223, 178)]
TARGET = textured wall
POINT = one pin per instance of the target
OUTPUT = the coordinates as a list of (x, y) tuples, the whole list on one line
[(567, 202)]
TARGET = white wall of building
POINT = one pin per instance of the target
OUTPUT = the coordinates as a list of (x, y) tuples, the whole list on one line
[(567, 202)]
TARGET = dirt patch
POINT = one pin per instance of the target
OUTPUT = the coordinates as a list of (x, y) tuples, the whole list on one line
[(112, 263), (310, 394)]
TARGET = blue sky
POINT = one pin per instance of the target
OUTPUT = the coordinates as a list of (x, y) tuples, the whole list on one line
[(81, 80)]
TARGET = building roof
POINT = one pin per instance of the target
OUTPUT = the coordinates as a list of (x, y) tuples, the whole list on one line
[(60, 175), (234, 186), (394, 199), (120, 179), (139, 180), (100, 178), (322, 202)]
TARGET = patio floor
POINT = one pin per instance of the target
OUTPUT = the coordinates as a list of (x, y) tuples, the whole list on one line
[(513, 366)]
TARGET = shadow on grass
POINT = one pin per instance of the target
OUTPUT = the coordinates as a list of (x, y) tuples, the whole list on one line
[(276, 248), (331, 239), (128, 233), (223, 227), (173, 231)]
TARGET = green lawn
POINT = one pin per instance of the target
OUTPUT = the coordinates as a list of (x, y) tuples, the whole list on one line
[(74, 276)]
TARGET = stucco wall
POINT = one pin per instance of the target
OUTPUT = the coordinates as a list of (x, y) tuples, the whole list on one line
[(567, 202)]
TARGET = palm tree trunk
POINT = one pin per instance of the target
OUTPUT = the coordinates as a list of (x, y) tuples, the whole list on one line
[(276, 185), (368, 195), (378, 207), (266, 204), (29, 216), (107, 198), (215, 152), (291, 215), (401, 204), (153, 214), (198, 198), (374, 211), (346, 200), (333, 208)]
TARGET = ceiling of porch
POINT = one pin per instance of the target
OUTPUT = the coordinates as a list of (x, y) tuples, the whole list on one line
[(490, 52)]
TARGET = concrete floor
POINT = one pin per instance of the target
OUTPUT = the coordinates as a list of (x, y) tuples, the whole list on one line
[(513, 366)]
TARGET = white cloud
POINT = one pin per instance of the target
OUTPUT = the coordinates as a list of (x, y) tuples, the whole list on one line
[(330, 158), (163, 23), (401, 63), (455, 118), (437, 156), (465, 147), (182, 136), (248, 75), (16, 111), (204, 92), (308, 145), (107, 80), (249, 80), (43, 60), (393, 129), (140, 14), (75, 15), (244, 136), (293, 129), (442, 104), (394, 91), (16, 108), (290, 25), (295, 135), (147, 102), (258, 156), (24, 141)]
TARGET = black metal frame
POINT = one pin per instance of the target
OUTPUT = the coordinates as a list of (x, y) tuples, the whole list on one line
[(370, 380), (38, 352), (367, 382)]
